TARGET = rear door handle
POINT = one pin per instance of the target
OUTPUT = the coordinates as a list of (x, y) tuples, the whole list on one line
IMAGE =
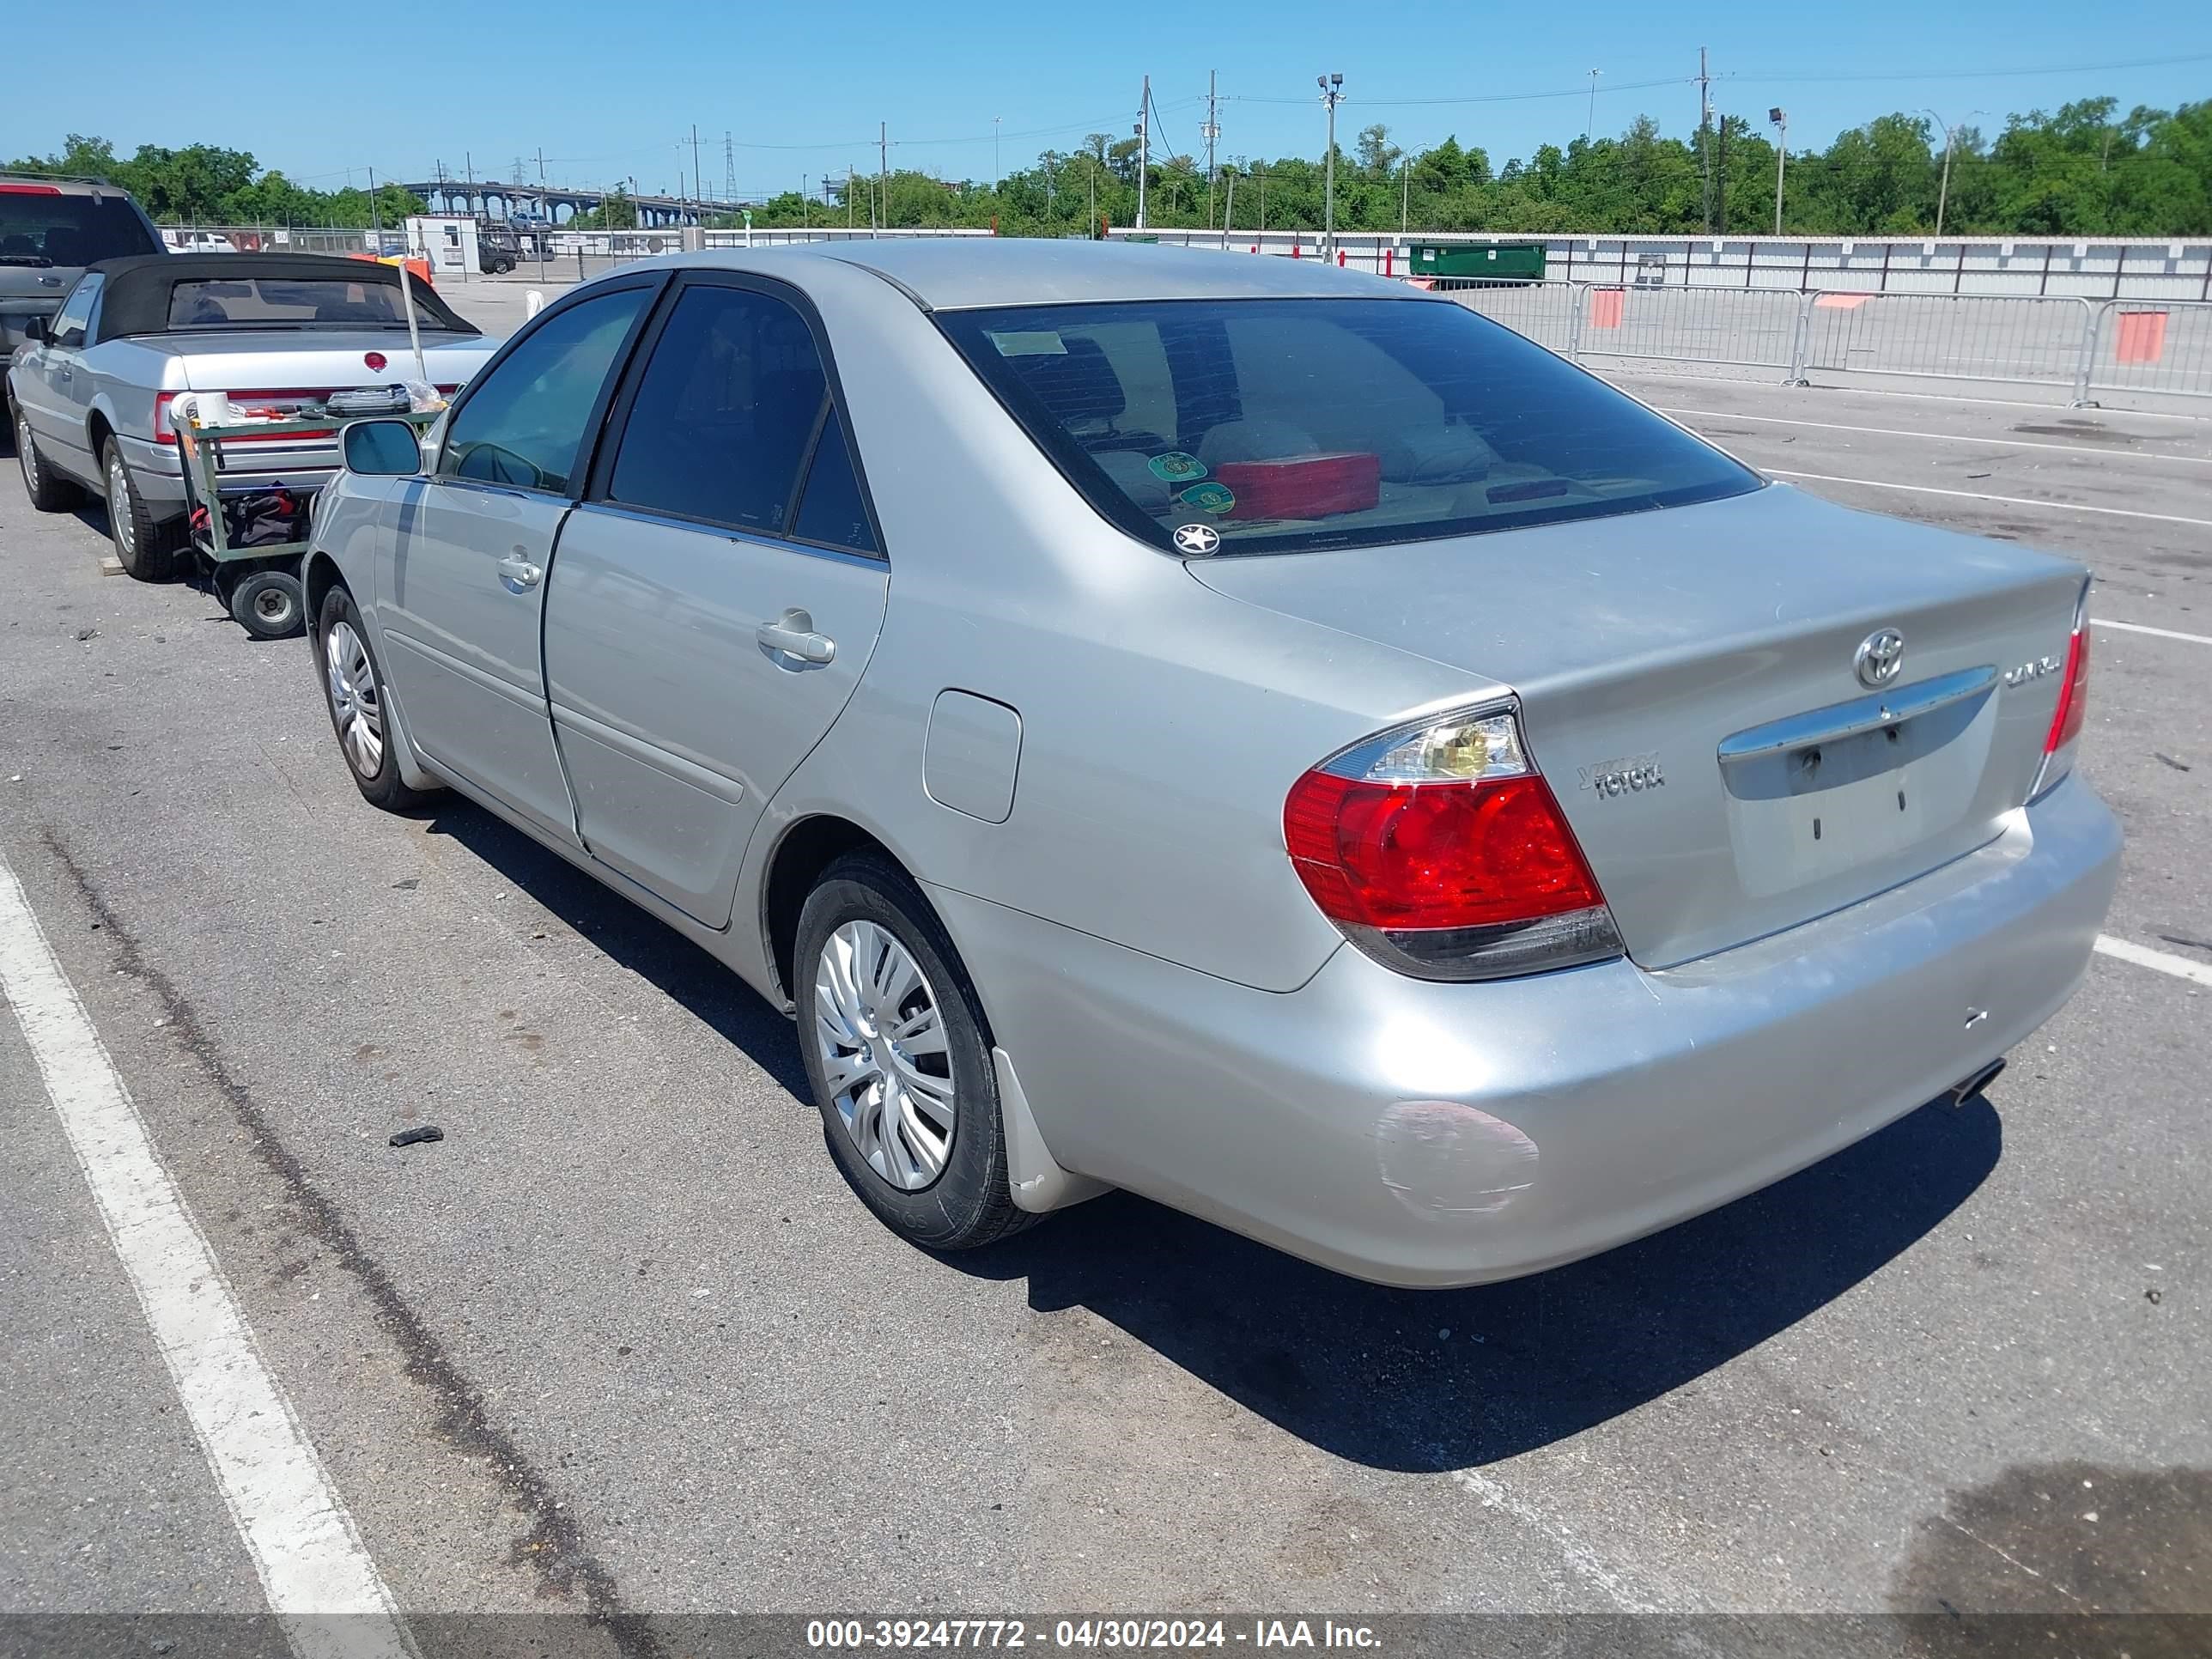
[(793, 634), (518, 574)]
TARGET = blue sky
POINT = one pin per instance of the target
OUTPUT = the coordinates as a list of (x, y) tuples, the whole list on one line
[(611, 92)]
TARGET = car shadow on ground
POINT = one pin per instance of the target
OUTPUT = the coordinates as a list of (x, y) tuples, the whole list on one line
[(1364, 1373)]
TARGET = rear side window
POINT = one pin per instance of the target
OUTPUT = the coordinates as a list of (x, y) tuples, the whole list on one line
[(833, 510), (524, 421), (724, 412), (1279, 425), (41, 229)]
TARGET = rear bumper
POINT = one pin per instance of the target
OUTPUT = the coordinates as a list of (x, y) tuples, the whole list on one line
[(1429, 1134), (158, 471)]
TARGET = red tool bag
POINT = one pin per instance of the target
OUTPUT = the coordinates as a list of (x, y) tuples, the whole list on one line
[(1302, 486)]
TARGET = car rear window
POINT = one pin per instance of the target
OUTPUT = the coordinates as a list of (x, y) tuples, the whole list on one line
[(40, 229), (301, 302), (1268, 426)]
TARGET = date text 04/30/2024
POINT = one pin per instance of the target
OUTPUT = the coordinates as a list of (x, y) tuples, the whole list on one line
[(1087, 1633)]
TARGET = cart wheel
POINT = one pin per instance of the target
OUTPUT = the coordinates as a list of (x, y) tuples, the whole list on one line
[(268, 603)]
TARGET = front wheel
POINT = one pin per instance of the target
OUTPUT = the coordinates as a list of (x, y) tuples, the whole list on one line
[(895, 1047), (353, 691), (49, 492)]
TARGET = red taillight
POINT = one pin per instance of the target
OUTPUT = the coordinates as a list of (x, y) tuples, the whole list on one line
[(2074, 694), (1401, 856), (164, 433), (30, 190)]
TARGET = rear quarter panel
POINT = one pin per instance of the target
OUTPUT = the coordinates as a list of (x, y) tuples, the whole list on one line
[(1161, 725)]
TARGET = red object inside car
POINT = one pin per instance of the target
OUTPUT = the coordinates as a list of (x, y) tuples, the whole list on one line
[(1302, 486)]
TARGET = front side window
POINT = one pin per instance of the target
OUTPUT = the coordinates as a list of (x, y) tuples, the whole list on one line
[(1281, 425), (76, 314), (725, 413), (524, 421)]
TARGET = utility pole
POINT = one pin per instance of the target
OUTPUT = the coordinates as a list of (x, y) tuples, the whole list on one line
[(698, 194), (883, 177), (375, 218), (1332, 94), (998, 169), (1211, 131), (1405, 193), (1144, 145), (849, 188), (1780, 118), (1591, 120), (1091, 201), (729, 168), (1263, 198), (1706, 134), (1229, 212)]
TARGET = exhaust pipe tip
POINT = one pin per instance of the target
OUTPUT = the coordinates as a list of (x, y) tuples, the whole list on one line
[(1966, 1088)]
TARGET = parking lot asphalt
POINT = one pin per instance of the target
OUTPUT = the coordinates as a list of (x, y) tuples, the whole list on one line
[(623, 1343)]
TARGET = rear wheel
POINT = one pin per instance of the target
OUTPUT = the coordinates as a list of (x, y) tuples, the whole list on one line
[(352, 690), (895, 1047), (268, 603), (49, 492), (146, 547)]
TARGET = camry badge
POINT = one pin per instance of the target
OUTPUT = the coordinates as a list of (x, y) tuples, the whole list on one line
[(1880, 656)]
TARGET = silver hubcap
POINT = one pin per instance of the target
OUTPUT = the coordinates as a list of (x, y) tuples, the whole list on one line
[(880, 1036), (355, 707), (118, 503), (26, 455), (274, 604)]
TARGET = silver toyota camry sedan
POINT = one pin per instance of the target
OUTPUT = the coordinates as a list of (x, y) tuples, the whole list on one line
[(1261, 737)]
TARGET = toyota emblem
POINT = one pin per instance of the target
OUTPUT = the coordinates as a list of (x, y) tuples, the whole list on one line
[(1880, 656)]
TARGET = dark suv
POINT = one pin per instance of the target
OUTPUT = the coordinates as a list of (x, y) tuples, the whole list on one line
[(51, 229)]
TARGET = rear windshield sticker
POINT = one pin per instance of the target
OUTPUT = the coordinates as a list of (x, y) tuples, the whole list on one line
[(1029, 343), (1175, 467), (1198, 538), (1209, 497)]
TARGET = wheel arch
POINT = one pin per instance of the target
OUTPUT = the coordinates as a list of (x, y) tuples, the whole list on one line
[(806, 848)]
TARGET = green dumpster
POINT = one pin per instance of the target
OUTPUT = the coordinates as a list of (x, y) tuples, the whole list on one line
[(1494, 262)]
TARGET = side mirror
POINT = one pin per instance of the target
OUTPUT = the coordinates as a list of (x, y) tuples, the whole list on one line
[(382, 449), (34, 330)]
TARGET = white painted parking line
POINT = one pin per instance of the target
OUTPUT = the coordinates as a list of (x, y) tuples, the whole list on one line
[(2165, 962), (320, 1581), (2155, 633), (2005, 500), (1835, 387), (1578, 1555), (2100, 451)]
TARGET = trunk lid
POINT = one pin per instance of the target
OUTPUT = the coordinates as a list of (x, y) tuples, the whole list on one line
[(317, 360), (1688, 685)]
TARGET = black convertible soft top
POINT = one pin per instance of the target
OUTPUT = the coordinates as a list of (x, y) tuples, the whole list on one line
[(137, 295)]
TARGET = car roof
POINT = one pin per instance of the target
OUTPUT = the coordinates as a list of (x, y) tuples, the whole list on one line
[(138, 287), (947, 273)]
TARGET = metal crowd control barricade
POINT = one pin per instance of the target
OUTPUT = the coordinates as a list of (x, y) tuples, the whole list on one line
[(258, 583), (1725, 330), (1545, 311), (2162, 346), (2014, 339)]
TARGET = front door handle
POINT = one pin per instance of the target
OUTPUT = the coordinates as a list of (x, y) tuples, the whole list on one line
[(518, 574), (792, 634)]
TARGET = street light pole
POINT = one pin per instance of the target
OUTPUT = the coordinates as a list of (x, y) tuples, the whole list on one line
[(1950, 137), (1144, 145), (1332, 94), (1591, 120), (1780, 118)]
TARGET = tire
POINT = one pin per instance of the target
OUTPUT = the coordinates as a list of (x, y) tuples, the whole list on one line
[(348, 668), (943, 1192), (146, 547), (49, 492), (268, 603)]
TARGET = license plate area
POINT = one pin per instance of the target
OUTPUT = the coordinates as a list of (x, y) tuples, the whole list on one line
[(1859, 786)]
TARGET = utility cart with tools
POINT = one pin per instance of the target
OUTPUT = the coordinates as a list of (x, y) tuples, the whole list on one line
[(250, 535)]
